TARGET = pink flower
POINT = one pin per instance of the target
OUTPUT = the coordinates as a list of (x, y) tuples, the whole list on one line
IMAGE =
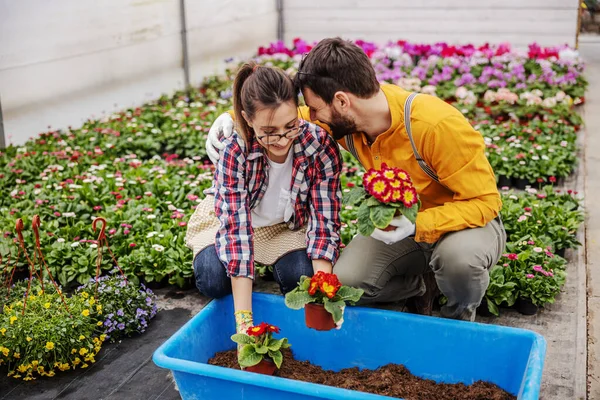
[(538, 268), (126, 232), (505, 265), (57, 214), (97, 208), (549, 253), (112, 231), (182, 223), (530, 242), (192, 197), (528, 209), (522, 218), (512, 256), (541, 196), (132, 244), (530, 276)]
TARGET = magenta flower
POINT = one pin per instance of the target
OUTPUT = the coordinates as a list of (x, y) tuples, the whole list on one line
[(132, 244), (530, 276), (182, 223), (538, 268)]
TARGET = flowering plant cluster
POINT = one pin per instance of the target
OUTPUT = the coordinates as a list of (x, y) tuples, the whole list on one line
[(323, 288), (124, 308), (385, 193), (48, 336), (258, 343)]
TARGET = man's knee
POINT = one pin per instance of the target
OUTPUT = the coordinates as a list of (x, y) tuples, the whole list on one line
[(459, 262)]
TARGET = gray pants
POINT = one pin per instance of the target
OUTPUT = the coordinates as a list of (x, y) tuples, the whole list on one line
[(460, 260)]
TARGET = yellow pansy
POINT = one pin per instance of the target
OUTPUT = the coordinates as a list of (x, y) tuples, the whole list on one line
[(47, 305), (99, 323), (85, 312), (28, 339), (17, 355), (81, 337), (3, 331), (92, 301), (85, 295), (49, 345), (83, 351), (13, 319)]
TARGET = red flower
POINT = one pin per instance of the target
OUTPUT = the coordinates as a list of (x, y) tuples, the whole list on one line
[(552, 179), (350, 184), (378, 188), (273, 328), (369, 176), (402, 174), (409, 196), (512, 256), (257, 330)]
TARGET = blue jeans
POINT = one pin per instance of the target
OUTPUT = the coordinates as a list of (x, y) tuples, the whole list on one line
[(212, 279)]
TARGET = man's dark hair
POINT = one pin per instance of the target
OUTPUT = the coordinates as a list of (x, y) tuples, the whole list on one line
[(336, 65)]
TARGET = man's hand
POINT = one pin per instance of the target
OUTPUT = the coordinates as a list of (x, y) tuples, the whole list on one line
[(221, 129), (404, 228)]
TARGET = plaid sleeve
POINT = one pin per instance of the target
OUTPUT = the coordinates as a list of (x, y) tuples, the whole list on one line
[(233, 242), (324, 225)]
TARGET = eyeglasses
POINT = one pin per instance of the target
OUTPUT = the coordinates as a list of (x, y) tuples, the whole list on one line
[(275, 138)]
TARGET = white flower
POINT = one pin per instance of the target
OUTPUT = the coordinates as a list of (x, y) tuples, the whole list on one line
[(550, 102), (87, 180), (69, 215), (538, 249), (37, 191), (151, 216), (60, 240), (568, 54), (161, 236), (564, 143), (522, 162), (158, 247), (171, 207), (545, 157), (151, 234), (535, 158), (512, 196), (93, 246), (74, 244), (92, 139)]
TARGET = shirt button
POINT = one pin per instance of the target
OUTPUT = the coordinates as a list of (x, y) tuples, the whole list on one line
[(377, 157)]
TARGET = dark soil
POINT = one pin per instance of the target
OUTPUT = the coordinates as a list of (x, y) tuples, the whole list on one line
[(390, 380)]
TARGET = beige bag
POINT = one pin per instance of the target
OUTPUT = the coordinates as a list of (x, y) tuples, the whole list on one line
[(270, 242)]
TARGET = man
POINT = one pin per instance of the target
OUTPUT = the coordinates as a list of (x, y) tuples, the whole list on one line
[(458, 235)]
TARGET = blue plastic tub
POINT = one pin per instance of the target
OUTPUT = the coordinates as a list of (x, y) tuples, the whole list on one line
[(434, 348)]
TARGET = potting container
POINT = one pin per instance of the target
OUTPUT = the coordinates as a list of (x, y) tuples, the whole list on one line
[(317, 317), (443, 350)]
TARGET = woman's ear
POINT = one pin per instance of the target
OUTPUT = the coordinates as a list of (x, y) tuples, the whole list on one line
[(246, 118), (342, 99)]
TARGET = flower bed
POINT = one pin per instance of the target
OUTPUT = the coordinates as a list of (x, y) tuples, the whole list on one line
[(144, 169)]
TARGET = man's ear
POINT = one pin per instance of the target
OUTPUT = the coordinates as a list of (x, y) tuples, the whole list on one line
[(246, 118), (342, 99)]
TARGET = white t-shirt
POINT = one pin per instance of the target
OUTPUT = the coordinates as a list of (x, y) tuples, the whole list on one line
[(270, 211)]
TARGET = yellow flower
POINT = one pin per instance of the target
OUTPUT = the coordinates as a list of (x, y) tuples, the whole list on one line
[(28, 339), (99, 307), (49, 345), (12, 319), (76, 362), (73, 351), (47, 305), (102, 337), (82, 351), (92, 301), (85, 312), (4, 351), (17, 376), (34, 364), (99, 323), (81, 337), (100, 312), (3, 331), (40, 292), (40, 369), (17, 355), (85, 295), (84, 365), (22, 368), (27, 378), (51, 373)]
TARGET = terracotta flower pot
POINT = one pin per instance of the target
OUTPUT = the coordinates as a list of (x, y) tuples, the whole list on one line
[(265, 367), (317, 317)]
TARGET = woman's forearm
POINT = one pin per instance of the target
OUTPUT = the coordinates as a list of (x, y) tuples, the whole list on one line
[(322, 265), (242, 293)]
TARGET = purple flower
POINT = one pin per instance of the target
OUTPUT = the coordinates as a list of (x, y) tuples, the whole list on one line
[(110, 316), (121, 326), (120, 312), (108, 322), (148, 301), (122, 283)]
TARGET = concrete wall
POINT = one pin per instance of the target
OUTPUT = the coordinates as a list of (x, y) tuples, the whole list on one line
[(62, 61), (549, 22)]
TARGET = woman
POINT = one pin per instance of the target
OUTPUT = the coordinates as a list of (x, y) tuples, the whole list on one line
[(275, 197)]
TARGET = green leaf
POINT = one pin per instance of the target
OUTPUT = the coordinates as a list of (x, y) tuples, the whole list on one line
[(350, 294), (356, 195), (304, 282), (365, 225), (297, 300), (241, 338), (493, 308), (335, 308), (248, 356), (275, 344), (373, 202), (382, 216), (260, 349), (277, 357), (410, 213)]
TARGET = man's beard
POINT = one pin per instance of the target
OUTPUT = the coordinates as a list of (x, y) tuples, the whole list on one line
[(341, 126)]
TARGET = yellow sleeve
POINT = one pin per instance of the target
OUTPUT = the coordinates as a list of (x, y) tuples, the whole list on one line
[(457, 154)]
